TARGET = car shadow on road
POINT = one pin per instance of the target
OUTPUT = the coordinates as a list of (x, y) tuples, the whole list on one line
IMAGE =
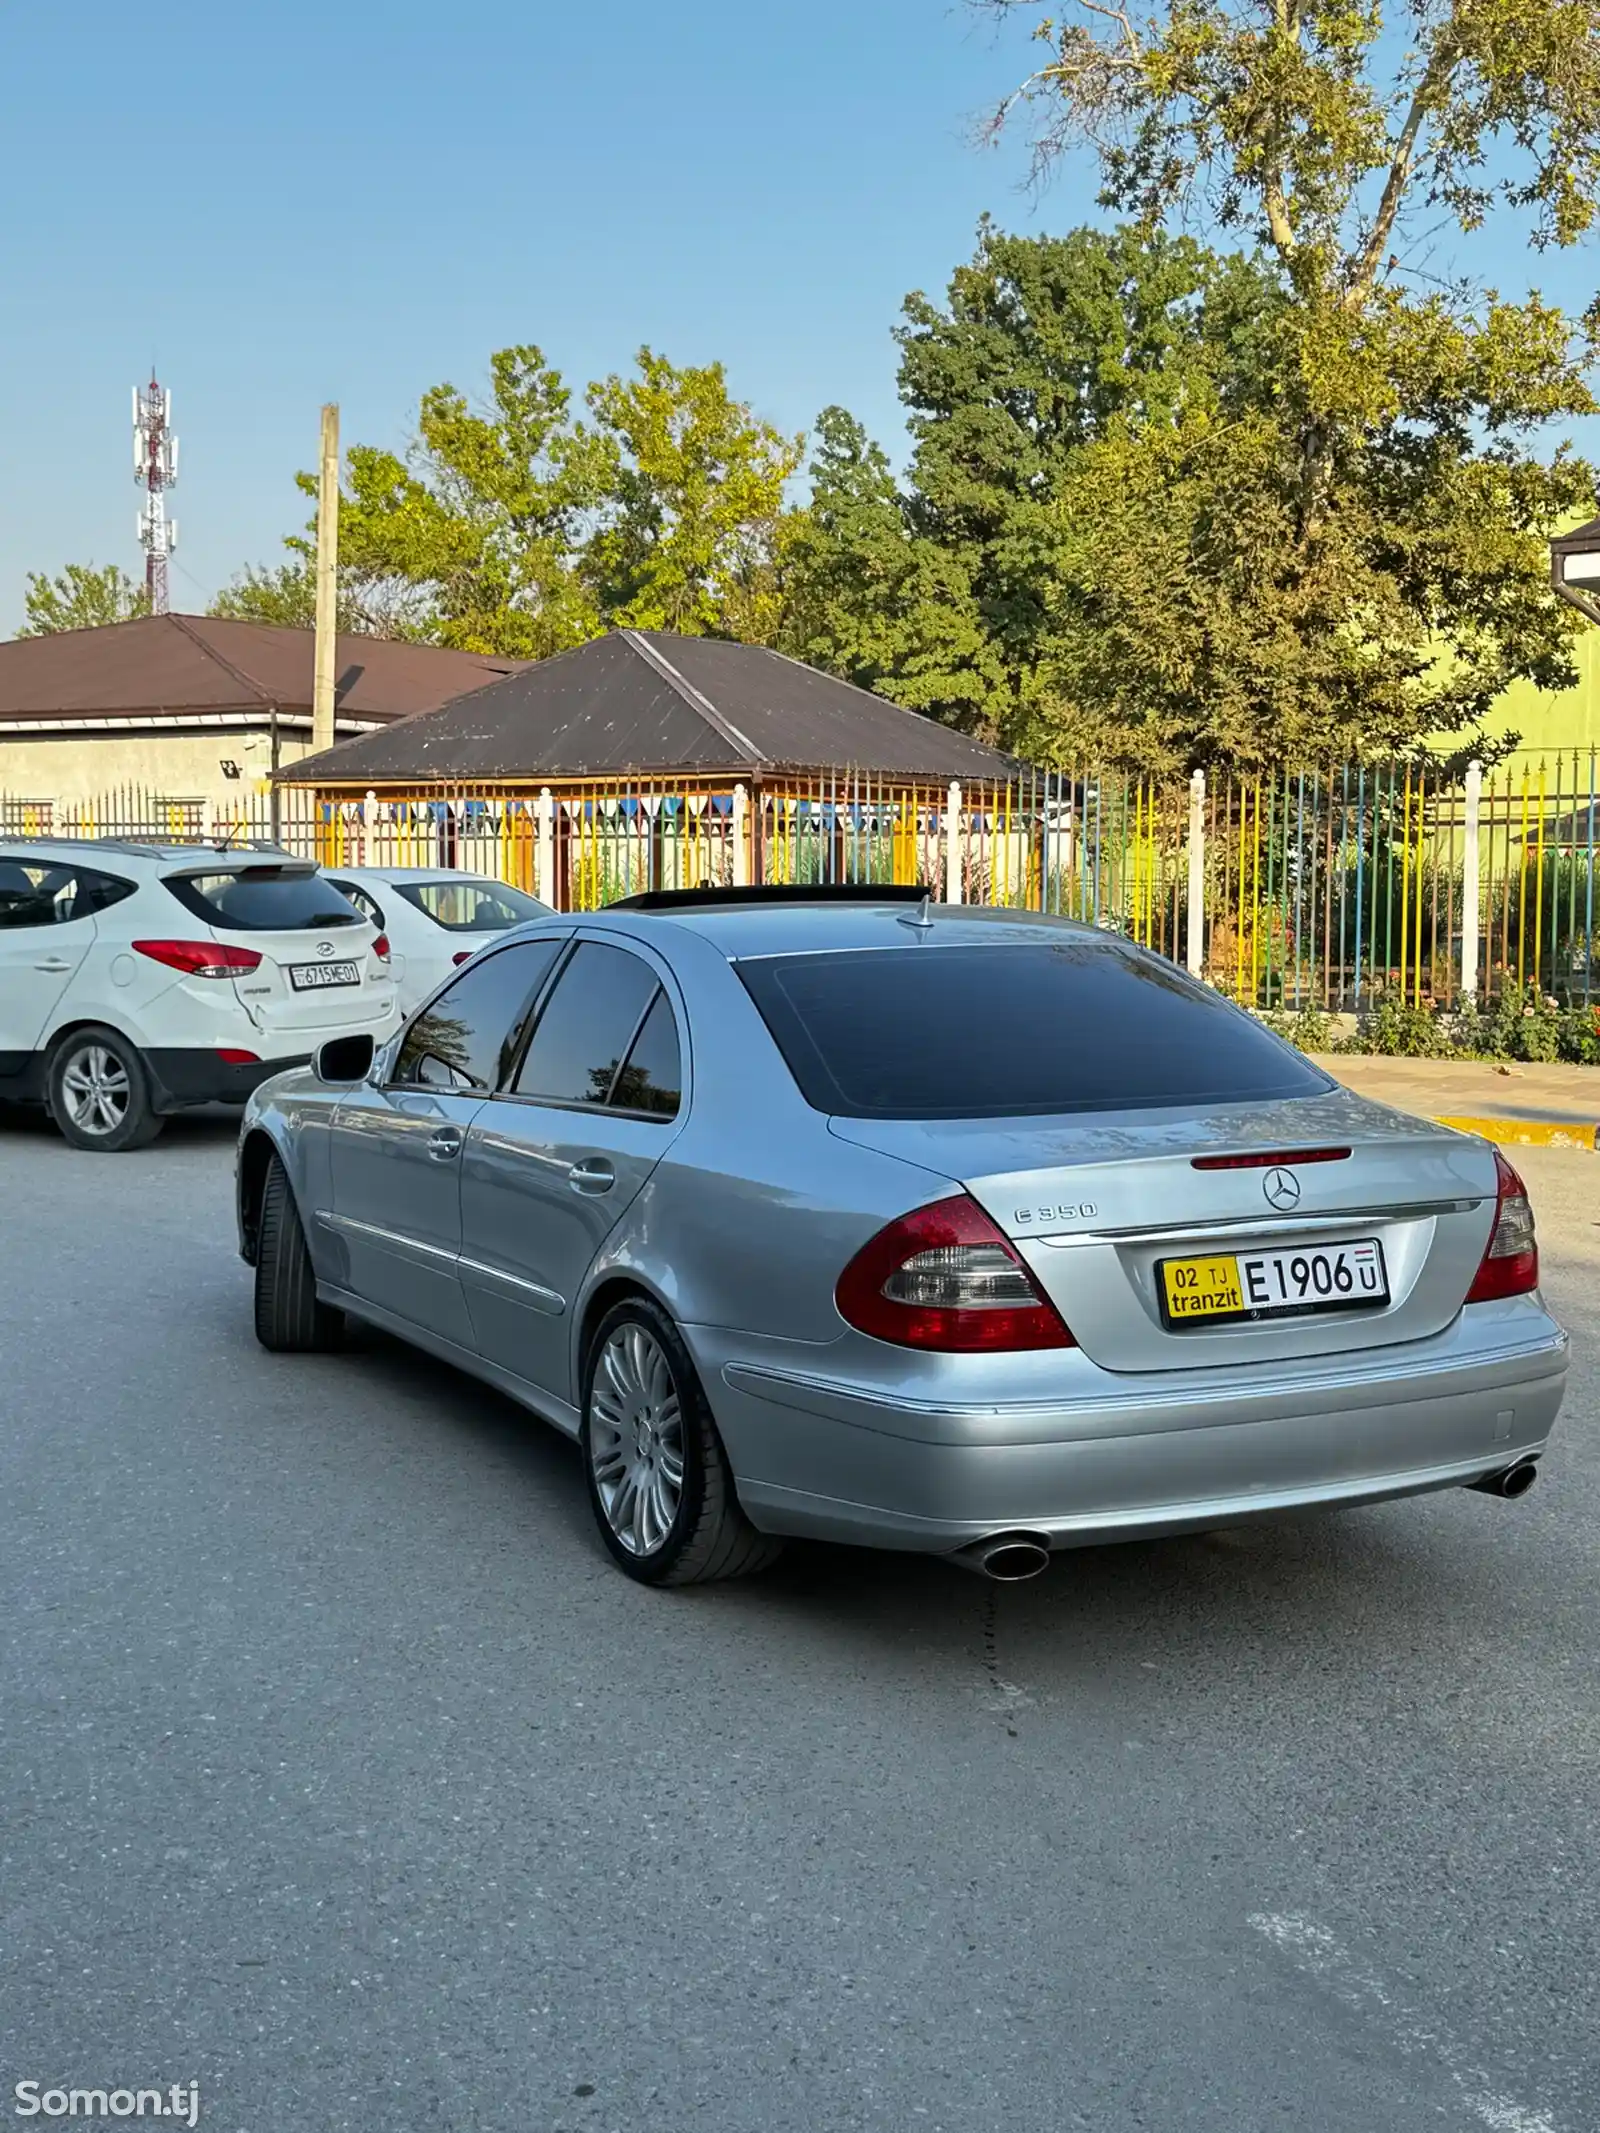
[(1340, 1596), (211, 1127)]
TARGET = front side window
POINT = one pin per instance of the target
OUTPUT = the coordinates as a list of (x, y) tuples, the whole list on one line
[(252, 899), (470, 906), (32, 894), (587, 1031), (467, 1037)]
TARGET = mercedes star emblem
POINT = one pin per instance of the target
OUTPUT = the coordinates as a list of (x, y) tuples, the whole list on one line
[(1282, 1188)]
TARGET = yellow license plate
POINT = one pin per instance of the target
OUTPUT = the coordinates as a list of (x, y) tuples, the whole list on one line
[(1202, 1288)]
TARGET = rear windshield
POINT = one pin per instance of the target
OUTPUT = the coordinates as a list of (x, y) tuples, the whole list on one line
[(1012, 1032), (263, 900), (471, 906)]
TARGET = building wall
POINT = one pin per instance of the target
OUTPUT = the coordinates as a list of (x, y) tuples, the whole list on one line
[(1556, 719), (73, 769)]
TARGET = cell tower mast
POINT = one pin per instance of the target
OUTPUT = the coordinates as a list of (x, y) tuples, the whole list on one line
[(155, 469)]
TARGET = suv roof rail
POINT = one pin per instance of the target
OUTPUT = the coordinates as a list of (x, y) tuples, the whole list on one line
[(830, 892), (152, 847)]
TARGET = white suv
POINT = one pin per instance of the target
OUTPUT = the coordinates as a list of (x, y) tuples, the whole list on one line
[(139, 979)]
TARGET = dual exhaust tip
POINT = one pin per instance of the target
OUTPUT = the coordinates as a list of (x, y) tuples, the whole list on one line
[(1013, 1558)]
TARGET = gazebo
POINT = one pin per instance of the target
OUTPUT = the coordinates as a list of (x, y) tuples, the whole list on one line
[(645, 759)]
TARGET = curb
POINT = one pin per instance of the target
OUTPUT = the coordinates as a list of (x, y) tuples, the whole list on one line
[(1526, 1132)]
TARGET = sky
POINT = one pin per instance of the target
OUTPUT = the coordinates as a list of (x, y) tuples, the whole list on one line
[(345, 200)]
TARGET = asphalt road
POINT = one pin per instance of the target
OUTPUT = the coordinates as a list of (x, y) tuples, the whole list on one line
[(343, 1776)]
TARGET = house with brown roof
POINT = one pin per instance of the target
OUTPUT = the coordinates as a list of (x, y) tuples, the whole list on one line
[(195, 712)]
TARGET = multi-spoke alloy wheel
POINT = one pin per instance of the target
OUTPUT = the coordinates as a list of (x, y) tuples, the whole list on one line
[(95, 1091), (100, 1093), (659, 1479), (636, 1439)]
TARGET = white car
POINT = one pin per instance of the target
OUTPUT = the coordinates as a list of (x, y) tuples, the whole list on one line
[(140, 979), (434, 918)]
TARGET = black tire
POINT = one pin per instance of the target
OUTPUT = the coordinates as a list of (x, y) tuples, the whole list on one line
[(289, 1317), (123, 1114), (709, 1536)]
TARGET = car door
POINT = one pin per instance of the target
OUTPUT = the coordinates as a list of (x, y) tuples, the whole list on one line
[(553, 1163), (397, 1141), (47, 927)]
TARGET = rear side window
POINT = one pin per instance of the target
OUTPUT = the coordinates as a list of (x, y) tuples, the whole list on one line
[(467, 1037), (35, 895), (263, 900), (365, 903), (587, 1031), (470, 906), (1013, 1032), (651, 1080)]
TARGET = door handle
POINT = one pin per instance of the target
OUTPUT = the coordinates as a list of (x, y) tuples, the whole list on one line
[(445, 1145), (593, 1175), (54, 965)]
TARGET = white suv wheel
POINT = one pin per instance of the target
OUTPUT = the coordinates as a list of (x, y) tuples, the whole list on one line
[(100, 1093)]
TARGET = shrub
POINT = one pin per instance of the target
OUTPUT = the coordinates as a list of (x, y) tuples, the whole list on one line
[(1395, 1031)]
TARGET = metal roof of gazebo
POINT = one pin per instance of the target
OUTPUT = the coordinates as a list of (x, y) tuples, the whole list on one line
[(647, 704)]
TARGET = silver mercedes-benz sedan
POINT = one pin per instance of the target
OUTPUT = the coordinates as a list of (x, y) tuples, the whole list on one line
[(842, 1214)]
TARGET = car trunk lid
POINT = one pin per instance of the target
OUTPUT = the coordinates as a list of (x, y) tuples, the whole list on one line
[(1095, 1206)]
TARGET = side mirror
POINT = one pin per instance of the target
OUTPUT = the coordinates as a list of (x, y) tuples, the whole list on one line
[(344, 1059)]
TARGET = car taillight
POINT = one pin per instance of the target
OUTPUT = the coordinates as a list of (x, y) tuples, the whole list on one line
[(945, 1278), (230, 1055), (380, 947), (462, 955), (1511, 1264), (200, 959)]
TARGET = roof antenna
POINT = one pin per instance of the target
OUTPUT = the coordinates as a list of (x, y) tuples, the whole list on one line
[(920, 921)]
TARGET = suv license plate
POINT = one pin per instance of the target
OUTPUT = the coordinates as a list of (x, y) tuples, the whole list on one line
[(308, 977), (1249, 1285)]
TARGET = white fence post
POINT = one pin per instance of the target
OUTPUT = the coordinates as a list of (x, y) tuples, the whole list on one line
[(545, 857), (1197, 874), (1469, 882), (369, 822), (953, 840), (741, 836)]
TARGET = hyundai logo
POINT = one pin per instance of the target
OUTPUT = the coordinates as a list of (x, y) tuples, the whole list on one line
[(1282, 1188), (326, 948)]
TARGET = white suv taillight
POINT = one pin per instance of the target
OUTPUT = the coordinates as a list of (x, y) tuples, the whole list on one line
[(380, 947), (1511, 1264), (945, 1278), (201, 959)]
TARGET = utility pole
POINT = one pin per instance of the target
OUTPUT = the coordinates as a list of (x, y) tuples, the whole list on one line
[(327, 583), (155, 469)]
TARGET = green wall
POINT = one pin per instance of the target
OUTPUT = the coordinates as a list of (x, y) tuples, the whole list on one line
[(1552, 719)]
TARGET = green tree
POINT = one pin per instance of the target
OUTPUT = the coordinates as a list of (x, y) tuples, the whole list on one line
[(83, 597), (286, 595), (1044, 348), (867, 599), (695, 530), (518, 528), (483, 519), (1396, 455)]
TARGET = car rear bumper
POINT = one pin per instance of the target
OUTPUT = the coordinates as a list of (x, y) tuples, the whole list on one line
[(846, 1462), (189, 1076)]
